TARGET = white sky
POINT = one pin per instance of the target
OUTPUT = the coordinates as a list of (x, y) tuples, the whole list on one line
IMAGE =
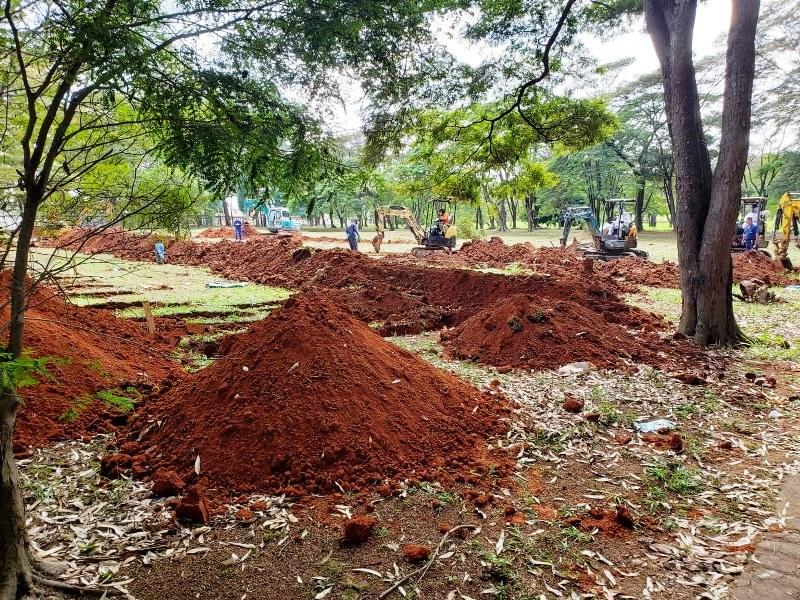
[(713, 17)]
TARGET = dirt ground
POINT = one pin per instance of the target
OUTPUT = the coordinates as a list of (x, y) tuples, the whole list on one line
[(589, 506)]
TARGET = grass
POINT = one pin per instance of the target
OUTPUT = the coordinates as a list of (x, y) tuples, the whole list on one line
[(116, 399), (773, 329), (675, 478), (171, 289)]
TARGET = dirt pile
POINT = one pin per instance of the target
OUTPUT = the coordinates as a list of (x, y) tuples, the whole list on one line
[(523, 331), (227, 232), (310, 398), (96, 353), (757, 265), (622, 273)]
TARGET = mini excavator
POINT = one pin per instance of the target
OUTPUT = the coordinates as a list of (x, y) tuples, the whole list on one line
[(787, 220), (438, 237), (617, 239)]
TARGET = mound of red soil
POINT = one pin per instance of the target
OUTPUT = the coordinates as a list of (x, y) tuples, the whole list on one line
[(523, 331), (95, 351), (639, 271), (757, 265), (310, 398), (227, 232)]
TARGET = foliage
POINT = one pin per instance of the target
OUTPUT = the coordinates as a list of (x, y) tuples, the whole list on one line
[(23, 371)]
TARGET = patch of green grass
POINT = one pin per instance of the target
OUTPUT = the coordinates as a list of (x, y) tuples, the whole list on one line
[(97, 366), (572, 535), (116, 398), (675, 478), (684, 410), (76, 409), (497, 568), (609, 415)]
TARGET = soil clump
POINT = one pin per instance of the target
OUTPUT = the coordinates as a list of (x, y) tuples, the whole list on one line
[(310, 400)]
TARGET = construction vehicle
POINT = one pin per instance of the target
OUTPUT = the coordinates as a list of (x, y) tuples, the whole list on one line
[(437, 237), (787, 219), (754, 207), (279, 220), (618, 237)]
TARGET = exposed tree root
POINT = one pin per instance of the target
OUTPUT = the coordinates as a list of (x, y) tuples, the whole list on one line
[(75, 590)]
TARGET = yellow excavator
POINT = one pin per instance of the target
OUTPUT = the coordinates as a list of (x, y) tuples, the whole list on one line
[(439, 236), (787, 220)]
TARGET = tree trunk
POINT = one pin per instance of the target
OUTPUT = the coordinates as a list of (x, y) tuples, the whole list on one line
[(15, 568), (640, 185), (707, 203), (226, 212), (478, 218), (530, 211), (514, 208), (502, 215)]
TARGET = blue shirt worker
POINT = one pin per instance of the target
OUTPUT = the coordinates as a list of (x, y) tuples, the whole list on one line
[(161, 255), (238, 226), (750, 234), (352, 235)]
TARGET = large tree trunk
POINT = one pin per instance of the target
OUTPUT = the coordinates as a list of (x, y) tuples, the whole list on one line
[(502, 215), (706, 202), (226, 212), (15, 568), (531, 211)]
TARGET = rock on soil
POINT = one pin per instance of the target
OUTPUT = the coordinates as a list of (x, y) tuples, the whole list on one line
[(415, 553), (193, 507), (358, 529), (167, 483), (311, 399)]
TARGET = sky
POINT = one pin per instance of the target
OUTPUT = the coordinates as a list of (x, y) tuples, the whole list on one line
[(713, 17)]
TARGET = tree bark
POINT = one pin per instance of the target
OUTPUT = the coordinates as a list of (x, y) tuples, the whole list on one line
[(226, 212), (15, 568), (640, 186), (706, 202), (502, 215), (513, 203)]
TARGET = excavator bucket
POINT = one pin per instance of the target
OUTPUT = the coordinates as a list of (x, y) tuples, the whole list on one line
[(423, 251)]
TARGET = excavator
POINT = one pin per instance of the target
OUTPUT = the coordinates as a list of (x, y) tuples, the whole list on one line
[(755, 208), (617, 239), (787, 220), (437, 238)]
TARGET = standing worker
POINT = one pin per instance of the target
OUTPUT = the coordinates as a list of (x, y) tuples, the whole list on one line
[(238, 226), (750, 234), (161, 255), (353, 235)]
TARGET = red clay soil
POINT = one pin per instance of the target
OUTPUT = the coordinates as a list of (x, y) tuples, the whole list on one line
[(227, 232), (522, 331), (311, 397), (757, 265), (401, 296), (636, 271), (98, 352)]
